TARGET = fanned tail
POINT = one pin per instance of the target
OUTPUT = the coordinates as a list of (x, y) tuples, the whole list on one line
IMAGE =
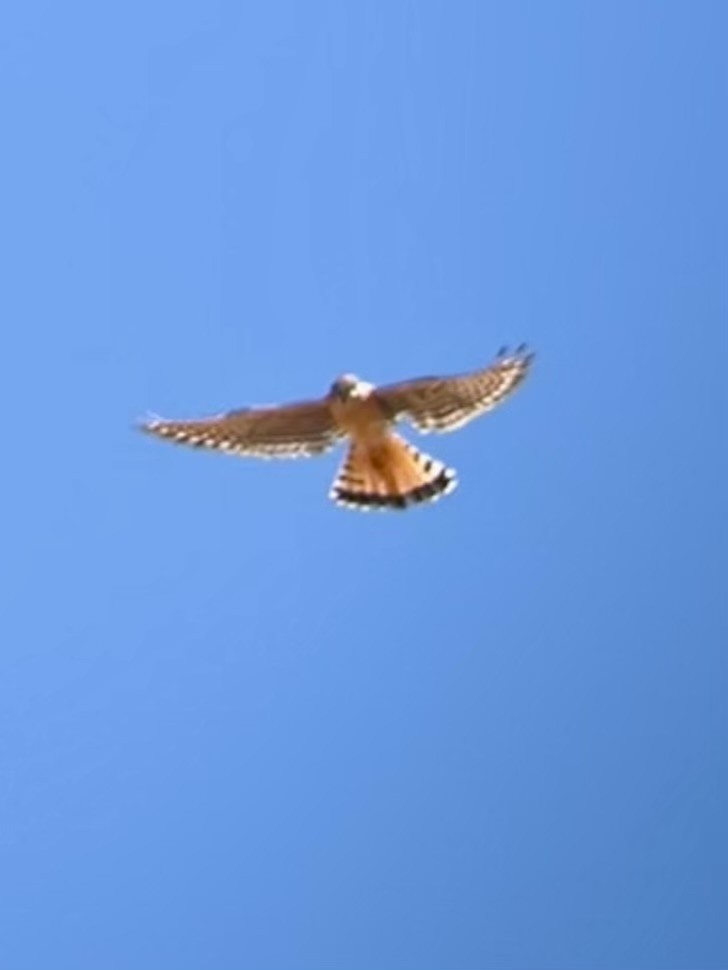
[(392, 474)]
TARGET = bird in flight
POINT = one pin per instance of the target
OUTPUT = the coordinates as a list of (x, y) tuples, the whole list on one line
[(381, 470)]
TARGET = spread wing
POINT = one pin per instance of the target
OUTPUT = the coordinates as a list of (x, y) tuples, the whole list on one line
[(288, 431), (447, 403)]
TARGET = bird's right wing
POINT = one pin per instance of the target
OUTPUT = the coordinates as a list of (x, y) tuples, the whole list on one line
[(287, 431)]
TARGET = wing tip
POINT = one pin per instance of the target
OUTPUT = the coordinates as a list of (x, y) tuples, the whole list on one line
[(522, 354), (151, 423)]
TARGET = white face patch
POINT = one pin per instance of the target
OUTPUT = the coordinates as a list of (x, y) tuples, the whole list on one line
[(362, 389)]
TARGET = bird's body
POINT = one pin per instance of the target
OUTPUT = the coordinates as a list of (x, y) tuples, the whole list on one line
[(356, 409), (381, 470)]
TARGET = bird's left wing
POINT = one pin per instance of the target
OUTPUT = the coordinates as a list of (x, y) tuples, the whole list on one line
[(447, 403), (286, 431)]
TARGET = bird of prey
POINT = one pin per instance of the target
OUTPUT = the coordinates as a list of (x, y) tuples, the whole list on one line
[(381, 470)]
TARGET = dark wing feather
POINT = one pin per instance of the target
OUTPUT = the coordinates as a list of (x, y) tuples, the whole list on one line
[(447, 403)]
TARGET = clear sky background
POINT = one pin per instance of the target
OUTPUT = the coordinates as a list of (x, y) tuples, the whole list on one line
[(240, 727)]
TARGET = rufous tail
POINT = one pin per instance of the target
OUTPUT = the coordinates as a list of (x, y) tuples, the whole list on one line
[(391, 474)]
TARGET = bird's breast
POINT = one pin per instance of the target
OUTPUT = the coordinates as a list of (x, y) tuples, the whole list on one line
[(362, 418)]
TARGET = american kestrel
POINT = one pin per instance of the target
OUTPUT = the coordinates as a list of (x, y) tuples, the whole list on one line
[(381, 470)]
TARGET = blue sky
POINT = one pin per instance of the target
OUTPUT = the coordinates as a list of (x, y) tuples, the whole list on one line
[(240, 727)]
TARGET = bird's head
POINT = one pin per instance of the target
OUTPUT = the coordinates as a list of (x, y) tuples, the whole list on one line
[(349, 386)]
